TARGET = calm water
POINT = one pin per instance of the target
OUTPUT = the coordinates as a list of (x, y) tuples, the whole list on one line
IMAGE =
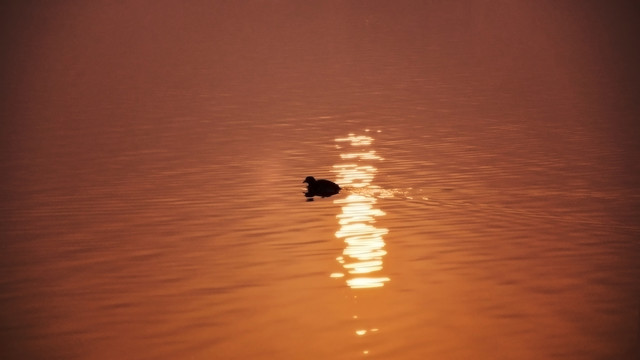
[(153, 161)]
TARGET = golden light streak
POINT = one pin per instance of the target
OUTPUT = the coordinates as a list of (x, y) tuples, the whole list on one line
[(367, 282), (369, 155), (364, 251), (361, 140)]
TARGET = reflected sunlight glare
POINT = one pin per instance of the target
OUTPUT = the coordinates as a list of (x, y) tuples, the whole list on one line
[(362, 256)]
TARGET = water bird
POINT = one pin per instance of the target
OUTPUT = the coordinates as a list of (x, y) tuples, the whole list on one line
[(322, 187)]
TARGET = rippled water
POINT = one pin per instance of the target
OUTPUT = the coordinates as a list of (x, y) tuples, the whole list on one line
[(155, 207)]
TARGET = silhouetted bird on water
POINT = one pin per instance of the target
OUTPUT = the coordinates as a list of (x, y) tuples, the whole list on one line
[(323, 188)]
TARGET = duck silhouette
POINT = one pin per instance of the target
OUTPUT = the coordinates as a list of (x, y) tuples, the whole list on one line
[(322, 187)]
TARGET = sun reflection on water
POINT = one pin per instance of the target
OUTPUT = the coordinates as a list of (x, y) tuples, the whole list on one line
[(362, 256)]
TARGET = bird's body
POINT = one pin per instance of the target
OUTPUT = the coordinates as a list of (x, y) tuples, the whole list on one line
[(322, 187)]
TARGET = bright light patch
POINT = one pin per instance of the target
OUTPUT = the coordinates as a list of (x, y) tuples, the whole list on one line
[(364, 241)]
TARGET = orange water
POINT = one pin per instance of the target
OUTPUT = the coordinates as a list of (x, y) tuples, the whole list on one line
[(153, 164)]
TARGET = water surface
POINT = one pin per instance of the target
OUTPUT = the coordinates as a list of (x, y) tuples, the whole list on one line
[(154, 158)]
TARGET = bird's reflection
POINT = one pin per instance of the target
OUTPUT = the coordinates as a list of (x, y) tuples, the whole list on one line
[(364, 251)]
